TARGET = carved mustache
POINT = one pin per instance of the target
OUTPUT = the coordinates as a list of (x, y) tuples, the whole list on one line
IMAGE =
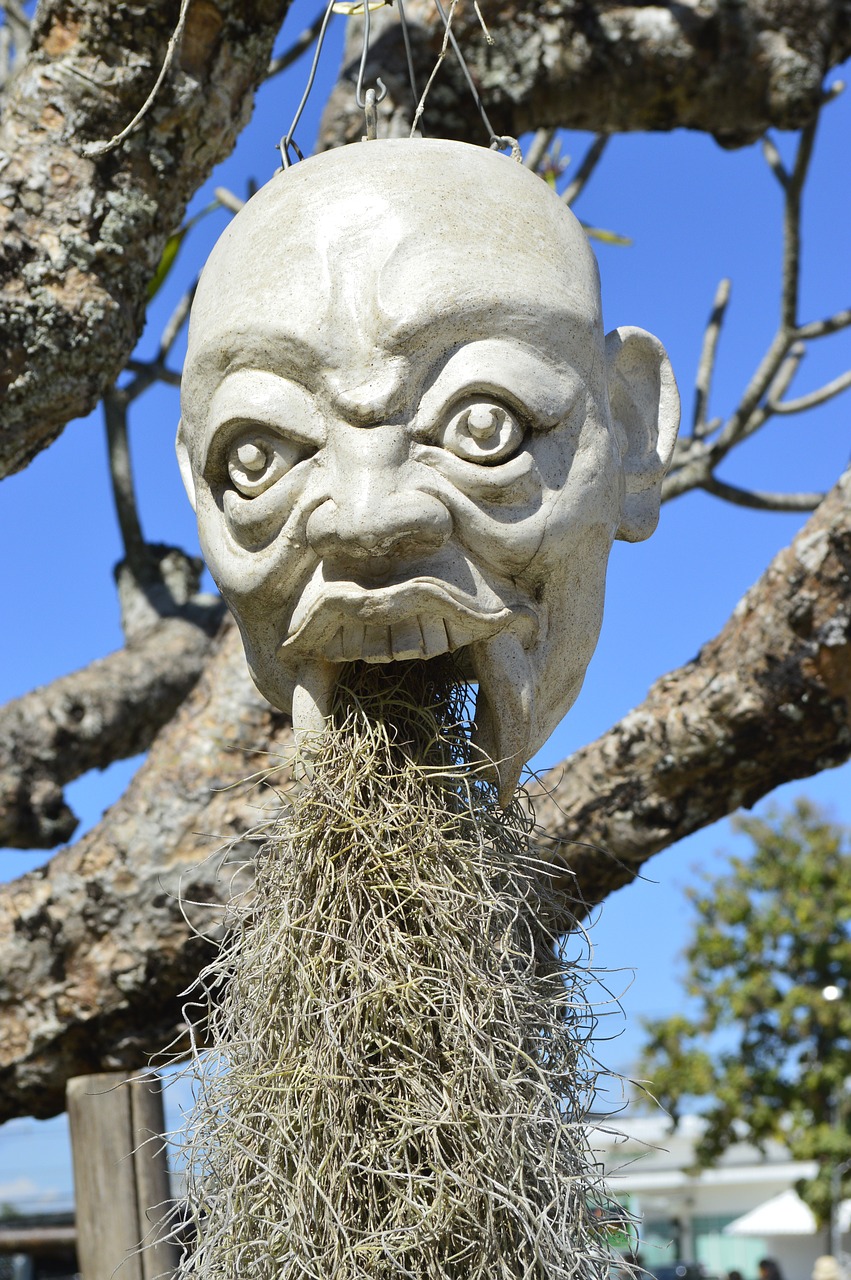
[(422, 618)]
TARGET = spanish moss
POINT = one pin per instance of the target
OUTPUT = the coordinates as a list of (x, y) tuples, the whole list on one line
[(397, 1075)]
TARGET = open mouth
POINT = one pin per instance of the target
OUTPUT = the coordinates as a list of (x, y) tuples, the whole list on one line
[(420, 619)]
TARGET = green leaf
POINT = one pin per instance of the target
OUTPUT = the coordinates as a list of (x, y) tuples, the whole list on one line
[(604, 236)]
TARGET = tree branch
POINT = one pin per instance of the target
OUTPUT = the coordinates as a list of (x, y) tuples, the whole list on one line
[(98, 936), (767, 701), (708, 354), (731, 70), (583, 174), (106, 712), (759, 500), (94, 951), (823, 328), (812, 398), (72, 295)]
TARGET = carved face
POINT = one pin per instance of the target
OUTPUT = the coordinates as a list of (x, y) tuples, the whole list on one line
[(398, 436)]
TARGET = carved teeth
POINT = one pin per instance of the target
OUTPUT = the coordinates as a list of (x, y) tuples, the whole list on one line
[(457, 633), (504, 707), (407, 640), (435, 639), (422, 636), (353, 638)]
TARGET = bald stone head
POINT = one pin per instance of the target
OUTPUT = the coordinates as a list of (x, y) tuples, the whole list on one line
[(405, 433)]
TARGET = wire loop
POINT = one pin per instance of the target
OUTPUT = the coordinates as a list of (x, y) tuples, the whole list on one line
[(368, 99)]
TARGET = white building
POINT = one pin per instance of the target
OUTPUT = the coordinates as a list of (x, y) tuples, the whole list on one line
[(727, 1217)]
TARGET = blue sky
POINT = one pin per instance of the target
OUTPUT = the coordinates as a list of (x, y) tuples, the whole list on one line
[(695, 213)]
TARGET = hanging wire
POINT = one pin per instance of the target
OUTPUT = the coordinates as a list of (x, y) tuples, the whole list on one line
[(406, 36), (288, 139), (381, 94), (369, 99), (495, 139)]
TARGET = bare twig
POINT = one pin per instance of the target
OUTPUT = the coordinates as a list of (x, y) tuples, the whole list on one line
[(708, 353), (228, 200), (176, 321), (123, 489), (759, 500), (447, 21), (792, 228), (538, 148), (775, 164), (147, 373), (94, 149), (589, 163), (698, 456), (297, 48), (812, 398), (782, 380), (822, 328), (488, 37)]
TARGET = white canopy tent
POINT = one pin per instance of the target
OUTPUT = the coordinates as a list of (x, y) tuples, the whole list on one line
[(783, 1215)]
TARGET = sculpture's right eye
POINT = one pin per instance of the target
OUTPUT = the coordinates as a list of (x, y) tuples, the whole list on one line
[(256, 459)]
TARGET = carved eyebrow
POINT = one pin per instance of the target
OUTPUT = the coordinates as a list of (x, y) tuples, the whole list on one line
[(546, 390), (253, 395)]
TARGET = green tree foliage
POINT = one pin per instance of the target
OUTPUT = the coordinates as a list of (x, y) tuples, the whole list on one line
[(766, 1054)]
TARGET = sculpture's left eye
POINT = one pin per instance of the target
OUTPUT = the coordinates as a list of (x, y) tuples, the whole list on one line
[(483, 431), (255, 460)]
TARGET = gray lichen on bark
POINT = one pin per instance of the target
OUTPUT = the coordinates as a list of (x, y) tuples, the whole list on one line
[(81, 237)]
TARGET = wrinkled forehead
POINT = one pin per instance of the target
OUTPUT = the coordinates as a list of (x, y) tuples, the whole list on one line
[(396, 246)]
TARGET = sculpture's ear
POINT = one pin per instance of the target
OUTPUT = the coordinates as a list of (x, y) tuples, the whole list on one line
[(184, 464), (645, 408)]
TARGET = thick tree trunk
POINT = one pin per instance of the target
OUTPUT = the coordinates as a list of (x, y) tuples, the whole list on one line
[(81, 236), (731, 70), (94, 950)]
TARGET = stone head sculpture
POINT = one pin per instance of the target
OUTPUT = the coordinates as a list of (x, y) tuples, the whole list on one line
[(405, 433)]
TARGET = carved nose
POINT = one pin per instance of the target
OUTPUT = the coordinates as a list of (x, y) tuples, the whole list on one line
[(374, 528), (373, 514)]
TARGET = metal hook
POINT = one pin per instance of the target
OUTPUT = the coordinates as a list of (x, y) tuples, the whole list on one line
[(382, 87), (371, 113)]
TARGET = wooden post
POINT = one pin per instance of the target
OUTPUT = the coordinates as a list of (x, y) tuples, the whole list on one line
[(120, 1177)]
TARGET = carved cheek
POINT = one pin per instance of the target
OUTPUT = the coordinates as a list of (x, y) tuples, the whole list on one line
[(582, 497), (497, 511), (254, 523), (255, 546)]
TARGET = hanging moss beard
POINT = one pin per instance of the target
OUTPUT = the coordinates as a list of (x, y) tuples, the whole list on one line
[(396, 1076)]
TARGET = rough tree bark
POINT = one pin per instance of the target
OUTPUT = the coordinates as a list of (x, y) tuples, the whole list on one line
[(82, 236), (94, 950), (95, 946), (765, 702), (731, 70), (110, 710)]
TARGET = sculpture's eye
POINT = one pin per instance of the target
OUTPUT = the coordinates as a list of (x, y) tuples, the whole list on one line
[(255, 460), (482, 432)]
